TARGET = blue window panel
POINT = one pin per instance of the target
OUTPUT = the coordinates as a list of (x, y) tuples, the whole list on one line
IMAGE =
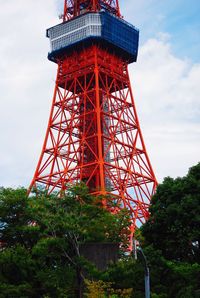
[(102, 27)]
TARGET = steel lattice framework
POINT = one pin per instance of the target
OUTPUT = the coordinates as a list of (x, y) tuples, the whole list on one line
[(72, 8), (93, 133)]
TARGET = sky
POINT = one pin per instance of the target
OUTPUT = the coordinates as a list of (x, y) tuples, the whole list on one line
[(165, 82)]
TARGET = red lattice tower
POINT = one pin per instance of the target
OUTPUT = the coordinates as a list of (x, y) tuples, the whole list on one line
[(93, 133)]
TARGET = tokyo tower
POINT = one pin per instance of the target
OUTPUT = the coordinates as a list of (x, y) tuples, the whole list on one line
[(93, 132)]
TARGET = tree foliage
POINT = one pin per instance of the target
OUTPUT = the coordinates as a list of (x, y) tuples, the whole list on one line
[(171, 242), (41, 238), (174, 225), (102, 289), (171, 236)]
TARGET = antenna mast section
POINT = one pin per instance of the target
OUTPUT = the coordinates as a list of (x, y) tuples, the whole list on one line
[(74, 8)]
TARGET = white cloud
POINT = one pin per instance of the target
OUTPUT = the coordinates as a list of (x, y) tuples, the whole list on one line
[(166, 89), (26, 84), (167, 94)]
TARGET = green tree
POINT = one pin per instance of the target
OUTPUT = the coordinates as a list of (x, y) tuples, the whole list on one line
[(41, 238), (174, 224), (171, 242), (172, 236)]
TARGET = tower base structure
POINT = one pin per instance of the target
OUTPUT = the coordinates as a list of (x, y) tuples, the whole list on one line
[(93, 133)]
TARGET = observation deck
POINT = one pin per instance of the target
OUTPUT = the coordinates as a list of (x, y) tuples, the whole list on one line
[(94, 28)]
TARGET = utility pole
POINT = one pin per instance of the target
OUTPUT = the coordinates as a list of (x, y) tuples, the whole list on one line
[(146, 270)]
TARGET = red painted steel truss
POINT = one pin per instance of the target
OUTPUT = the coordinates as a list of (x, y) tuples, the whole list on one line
[(94, 134), (73, 8)]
